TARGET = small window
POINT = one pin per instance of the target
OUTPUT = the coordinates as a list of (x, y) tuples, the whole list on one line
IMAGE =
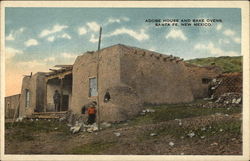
[(92, 87), (206, 80), (107, 97), (27, 98)]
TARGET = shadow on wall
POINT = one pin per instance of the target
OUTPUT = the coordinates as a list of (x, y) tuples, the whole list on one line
[(120, 103)]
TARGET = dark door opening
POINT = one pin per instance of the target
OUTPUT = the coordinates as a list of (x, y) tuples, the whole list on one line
[(65, 102)]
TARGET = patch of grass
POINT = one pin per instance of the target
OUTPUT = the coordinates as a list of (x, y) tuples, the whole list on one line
[(214, 129), (21, 136), (38, 126), (226, 63), (140, 120), (166, 113), (91, 148), (178, 111), (171, 130), (26, 130), (221, 127)]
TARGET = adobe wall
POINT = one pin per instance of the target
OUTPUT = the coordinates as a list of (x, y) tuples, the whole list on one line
[(123, 105), (40, 90), (195, 76), (12, 106), (34, 84), (67, 90), (85, 67), (30, 84), (156, 78)]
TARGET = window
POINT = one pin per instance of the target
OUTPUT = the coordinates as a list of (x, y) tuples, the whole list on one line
[(107, 97), (27, 98), (92, 87)]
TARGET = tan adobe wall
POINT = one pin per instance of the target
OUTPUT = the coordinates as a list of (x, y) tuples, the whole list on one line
[(12, 106), (123, 105), (34, 84), (40, 90), (85, 67), (30, 84), (157, 78), (195, 76)]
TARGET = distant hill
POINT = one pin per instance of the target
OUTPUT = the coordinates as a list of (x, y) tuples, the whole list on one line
[(226, 63)]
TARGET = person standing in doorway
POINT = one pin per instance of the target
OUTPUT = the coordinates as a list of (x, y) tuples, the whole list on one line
[(57, 99)]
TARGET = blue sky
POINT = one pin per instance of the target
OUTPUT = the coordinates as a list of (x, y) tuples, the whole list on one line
[(39, 38)]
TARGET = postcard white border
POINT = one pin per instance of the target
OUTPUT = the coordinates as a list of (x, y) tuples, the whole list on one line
[(244, 5)]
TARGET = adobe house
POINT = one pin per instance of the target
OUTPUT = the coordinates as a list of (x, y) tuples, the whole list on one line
[(128, 77)]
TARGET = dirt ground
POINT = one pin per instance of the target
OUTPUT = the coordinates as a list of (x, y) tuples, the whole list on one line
[(212, 134)]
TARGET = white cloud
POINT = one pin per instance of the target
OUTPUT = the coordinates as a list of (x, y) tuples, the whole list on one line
[(117, 20), (49, 59), (65, 36), (112, 20), (10, 37), (82, 31), (125, 19), (141, 35), (11, 52), (69, 55), (214, 50), (13, 34), (93, 39), (62, 36), (94, 26), (229, 32), (21, 29), (176, 34), (152, 49), (51, 38), (224, 41), (219, 27), (31, 42), (56, 28), (237, 40), (232, 34)]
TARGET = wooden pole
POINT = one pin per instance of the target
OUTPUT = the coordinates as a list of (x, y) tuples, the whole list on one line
[(98, 89), (61, 94), (45, 96), (100, 38), (15, 114)]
